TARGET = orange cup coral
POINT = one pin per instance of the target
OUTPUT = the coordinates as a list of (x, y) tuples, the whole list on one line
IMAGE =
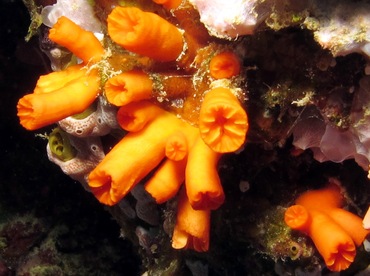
[(224, 65), (145, 33), (127, 87), (68, 34), (223, 123), (335, 231), (73, 91), (192, 227)]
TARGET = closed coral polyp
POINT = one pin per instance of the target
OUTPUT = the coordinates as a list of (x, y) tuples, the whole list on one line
[(192, 227), (80, 42), (167, 180), (145, 33), (59, 101)]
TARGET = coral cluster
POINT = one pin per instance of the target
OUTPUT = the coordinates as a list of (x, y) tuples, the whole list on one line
[(335, 231), (166, 83), (178, 149)]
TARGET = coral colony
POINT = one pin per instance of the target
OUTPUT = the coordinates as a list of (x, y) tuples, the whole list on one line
[(168, 81)]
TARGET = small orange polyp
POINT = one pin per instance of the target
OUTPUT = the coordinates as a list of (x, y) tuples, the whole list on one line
[(145, 33), (177, 146), (223, 123), (224, 65)]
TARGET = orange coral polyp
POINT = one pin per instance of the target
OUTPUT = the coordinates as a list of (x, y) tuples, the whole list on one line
[(192, 227), (56, 80), (128, 87), (349, 222), (169, 4), (167, 180), (297, 217), (55, 101), (334, 231), (223, 123), (224, 65), (145, 33), (134, 157), (136, 115), (325, 198), (203, 185), (80, 42), (177, 146)]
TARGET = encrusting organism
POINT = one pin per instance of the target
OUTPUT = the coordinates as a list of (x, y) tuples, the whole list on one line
[(75, 157), (155, 141), (335, 232)]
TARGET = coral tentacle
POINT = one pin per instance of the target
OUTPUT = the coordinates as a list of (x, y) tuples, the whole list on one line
[(177, 147), (333, 243)]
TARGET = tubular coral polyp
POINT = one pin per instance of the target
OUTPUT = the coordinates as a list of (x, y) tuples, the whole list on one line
[(127, 87), (224, 65), (223, 123), (80, 42), (145, 33), (167, 180), (334, 231), (203, 185), (55, 101), (192, 227)]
